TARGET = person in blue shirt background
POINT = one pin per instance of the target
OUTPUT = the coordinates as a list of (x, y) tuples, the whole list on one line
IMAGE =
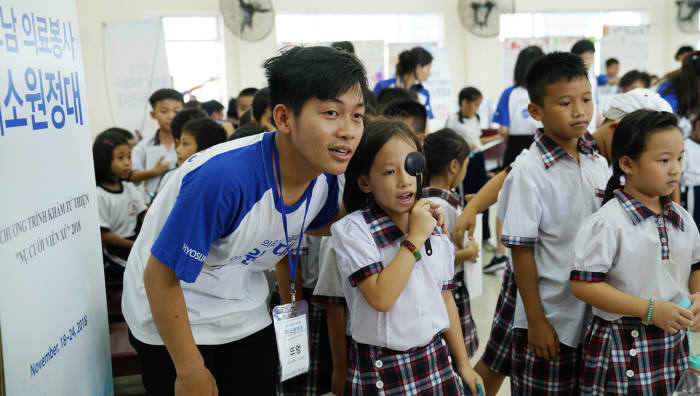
[(612, 67), (681, 89), (412, 70)]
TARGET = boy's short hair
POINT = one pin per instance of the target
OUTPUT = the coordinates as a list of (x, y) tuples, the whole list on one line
[(302, 73), (165, 93), (635, 75), (211, 106), (343, 46), (549, 70), (247, 92), (388, 95), (248, 130), (205, 131), (583, 46), (611, 61), (245, 118), (184, 116), (261, 102), (682, 50), (231, 111), (408, 109)]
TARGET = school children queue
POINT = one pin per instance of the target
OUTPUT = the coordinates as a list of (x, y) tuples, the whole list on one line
[(601, 253)]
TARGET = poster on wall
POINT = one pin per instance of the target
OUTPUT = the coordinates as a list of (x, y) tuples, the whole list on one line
[(628, 44), (439, 84), (135, 65), (512, 47), (371, 53), (53, 317)]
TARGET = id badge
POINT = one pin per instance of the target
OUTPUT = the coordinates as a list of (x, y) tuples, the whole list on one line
[(292, 333)]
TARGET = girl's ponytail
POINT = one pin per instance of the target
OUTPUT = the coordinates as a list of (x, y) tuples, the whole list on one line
[(613, 184)]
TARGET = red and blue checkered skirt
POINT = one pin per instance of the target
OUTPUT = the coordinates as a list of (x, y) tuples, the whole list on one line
[(461, 296), (498, 352), (419, 371), (534, 376), (625, 357), (317, 380)]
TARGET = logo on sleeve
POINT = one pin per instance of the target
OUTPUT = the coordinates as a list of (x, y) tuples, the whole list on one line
[(193, 253)]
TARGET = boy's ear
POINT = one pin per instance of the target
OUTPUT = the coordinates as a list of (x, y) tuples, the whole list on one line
[(177, 142), (153, 113), (363, 183), (535, 111), (283, 117), (613, 125)]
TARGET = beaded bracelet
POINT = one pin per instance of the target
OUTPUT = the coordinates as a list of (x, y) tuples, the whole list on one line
[(651, 307)]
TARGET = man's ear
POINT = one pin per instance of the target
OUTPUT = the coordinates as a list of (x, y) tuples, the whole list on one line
[(283, 118), (535, 111), (363, 183)]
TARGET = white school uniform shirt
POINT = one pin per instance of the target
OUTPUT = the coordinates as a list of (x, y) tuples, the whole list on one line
[(308, 262), (468, 128), (118, 213), (636, 251), (146, 154), (366, 241), (545, 198), (218, 224), (329, 288), (593, 80), (691, 163)]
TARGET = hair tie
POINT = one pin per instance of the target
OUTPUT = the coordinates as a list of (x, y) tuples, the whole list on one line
[(107, 142)]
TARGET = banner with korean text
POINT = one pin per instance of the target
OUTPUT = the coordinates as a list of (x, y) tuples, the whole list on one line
[(53, 318)]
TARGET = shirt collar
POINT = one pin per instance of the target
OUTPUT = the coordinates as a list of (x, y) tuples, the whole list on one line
[(638, 212), (552, 151), (451, 197), (383, 229)]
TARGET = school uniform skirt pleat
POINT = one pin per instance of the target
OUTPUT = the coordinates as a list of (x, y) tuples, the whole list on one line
[(626, 357), (317, 380), (424, 370), (461, 296), (498, 352)]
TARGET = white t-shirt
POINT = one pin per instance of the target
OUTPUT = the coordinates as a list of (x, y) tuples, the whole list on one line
[(637, 252), (217, 224), (146, 154), (469, 129), (691, 163), (543, 202), (365, 242), (118, 213), (512, 112)]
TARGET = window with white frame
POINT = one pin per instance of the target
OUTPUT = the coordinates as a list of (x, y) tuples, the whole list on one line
[(195, 51)]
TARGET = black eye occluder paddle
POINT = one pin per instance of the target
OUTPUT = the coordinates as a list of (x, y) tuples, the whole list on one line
[(415, 165)]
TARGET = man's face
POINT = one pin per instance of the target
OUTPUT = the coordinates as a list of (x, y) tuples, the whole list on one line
[(326, 133)]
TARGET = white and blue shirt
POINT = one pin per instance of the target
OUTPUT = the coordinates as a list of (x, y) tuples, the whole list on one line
[(512, 112), (145, 156), (218, 224), (423, 94)]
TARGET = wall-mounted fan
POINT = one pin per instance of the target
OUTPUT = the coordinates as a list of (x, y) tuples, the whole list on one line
[(687, 15), (251, 20), (483, 18)]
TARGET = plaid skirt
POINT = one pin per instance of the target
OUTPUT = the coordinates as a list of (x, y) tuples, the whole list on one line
[(534, 376), (461, 296), (625, 357), (317, 380), (424, 370), (497, 355)]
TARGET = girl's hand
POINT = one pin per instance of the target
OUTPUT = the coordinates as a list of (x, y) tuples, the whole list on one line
[(670, 317), (439, 216), (338, 381), (470, 379), (465, 222), (542, 339), (474, 248), (420, 222), (695, 309)]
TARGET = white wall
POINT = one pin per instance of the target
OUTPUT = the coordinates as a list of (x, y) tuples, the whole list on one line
[(473, 60)]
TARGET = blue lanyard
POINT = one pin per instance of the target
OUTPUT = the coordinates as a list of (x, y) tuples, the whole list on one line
[(307, 196)]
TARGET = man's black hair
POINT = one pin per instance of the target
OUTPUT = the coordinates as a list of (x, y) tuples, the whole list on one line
[(248, 130), (261, 102), (583, 46), (182, 117), (231, 111), (611, 61), (408, 109), (211, 106), (343, 46), (682, 50), (388, 95), (551, 69), (245, 118), (165, 93), (302, 73), (247, 92), (205, 131)]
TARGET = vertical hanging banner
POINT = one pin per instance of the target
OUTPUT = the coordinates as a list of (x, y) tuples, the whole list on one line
[(135, 66), (53, 314)]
